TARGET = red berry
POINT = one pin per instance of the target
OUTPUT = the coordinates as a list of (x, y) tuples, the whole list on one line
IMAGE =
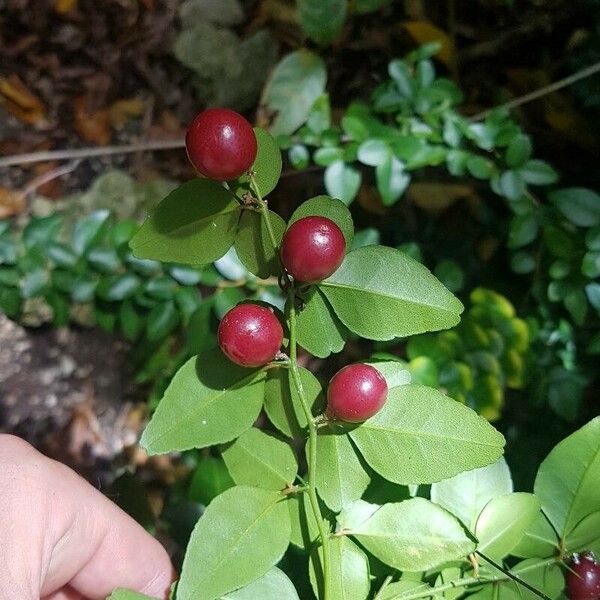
[(356, 393), (250, 335), (583, 580), (312, 249), (221, 144)]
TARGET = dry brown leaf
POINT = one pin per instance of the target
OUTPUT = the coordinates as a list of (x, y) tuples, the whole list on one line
[(436, 197), (11, 202), (53, 187), (64, 6), (91, 126), (487, 247), (122, 110), (370, 199), (424, 32), (20, 101)]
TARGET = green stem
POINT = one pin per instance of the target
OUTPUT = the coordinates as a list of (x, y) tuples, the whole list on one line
[(262, 205), (312, 444), (467, 581), (297, 382)]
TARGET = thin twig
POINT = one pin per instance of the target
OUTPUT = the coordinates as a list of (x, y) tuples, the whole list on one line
[(37, 182), (543, 91), (84, 153)]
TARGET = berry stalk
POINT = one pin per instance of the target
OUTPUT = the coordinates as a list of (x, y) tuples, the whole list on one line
[(428, 592), (297, 382), (312, 440)]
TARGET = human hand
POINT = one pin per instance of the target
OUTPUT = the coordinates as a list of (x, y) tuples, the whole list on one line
[(61, 539)]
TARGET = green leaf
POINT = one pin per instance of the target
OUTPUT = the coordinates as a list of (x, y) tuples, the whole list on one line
[(195, 224), (394, 371), (538, 541), (374, 152), (294, 86), (585, 535), (319, 330), (465, 494), (592, 291), (341, 477), (267, 166), (503, 522), (209, 401), (349, 570), (116, 288), (567, 480), (185, 275), (210, 479), (518, 151), (450, 274), (319, 119), (253, 244), (590, 266), (273, 585), (592, 238), (299, 156), (322, 20), (104, 260), (523, 230), (538, 172), (61, 255), (441, 436), (374, 303), (580, 205), (284, 408), (342, 181), (361, 7), (88, 231), (10, 302), (261, 460), (392, 180), (512, 185), (400, 73), (131, 322), (162, 320), (161, 288), (328, 155), (330, 208), (41, 230), (123, 594), (414, 535), (479, 167), (200, 336), (405, 587), (522, 262), (222, 554)]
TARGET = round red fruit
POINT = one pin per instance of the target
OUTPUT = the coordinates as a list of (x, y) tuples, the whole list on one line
[(356, 393), (312, 249), (583, 578), (250, 335), (221, 144)]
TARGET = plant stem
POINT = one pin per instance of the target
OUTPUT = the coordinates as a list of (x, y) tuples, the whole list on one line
[(262, 205), (312, 443), (292, 365), (466, 581)]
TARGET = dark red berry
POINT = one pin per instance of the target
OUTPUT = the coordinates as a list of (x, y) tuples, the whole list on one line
[(583, 580), (221, 144), (312, 249), (250, 335), (356, 393)]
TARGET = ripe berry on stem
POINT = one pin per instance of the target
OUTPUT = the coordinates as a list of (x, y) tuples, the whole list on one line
[(250, 335), (583, 578), (221, 144), (356, 393), (312, 249)]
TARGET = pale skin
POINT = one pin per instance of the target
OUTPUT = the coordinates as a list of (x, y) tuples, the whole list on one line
[(61, 539)]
